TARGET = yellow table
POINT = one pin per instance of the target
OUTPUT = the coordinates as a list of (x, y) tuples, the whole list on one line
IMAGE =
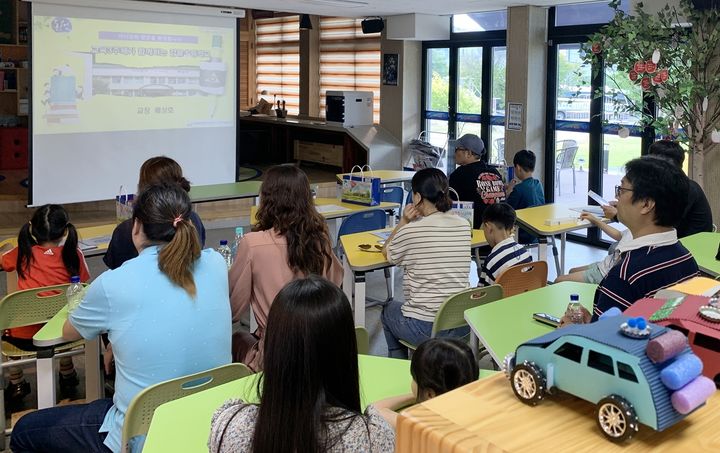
[(334, 208), (534, 219), (386, 176), (356, 263), (485, 416), (51, 335)]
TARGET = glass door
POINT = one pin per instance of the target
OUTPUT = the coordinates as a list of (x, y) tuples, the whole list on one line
[(437, 95)]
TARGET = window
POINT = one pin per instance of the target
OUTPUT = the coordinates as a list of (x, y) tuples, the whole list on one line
[(586, 13), (485, 21), (626, 372), (570, 351), (600, 362), (278, 60), (349, 60)]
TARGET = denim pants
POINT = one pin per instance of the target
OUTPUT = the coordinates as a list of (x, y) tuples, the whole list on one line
[(414, 331), (70, 429)]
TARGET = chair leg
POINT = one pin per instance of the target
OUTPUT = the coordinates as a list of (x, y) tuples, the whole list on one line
[(388, 283), (573, 179)]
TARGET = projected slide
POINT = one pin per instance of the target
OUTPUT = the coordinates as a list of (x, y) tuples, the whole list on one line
[(105, 76)]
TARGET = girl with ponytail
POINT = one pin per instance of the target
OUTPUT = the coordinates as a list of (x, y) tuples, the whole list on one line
[(166, 312), (40, 260), (433, 246)]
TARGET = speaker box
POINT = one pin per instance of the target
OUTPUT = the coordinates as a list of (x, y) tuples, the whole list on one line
[(372, 25)]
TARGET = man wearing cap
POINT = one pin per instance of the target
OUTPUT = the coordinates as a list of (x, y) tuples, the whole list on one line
[(474, 180)]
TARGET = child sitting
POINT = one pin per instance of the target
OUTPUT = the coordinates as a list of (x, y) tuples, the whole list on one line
[(40, 260), (498, 225), (595, 272), (438, 366), (524, 191)]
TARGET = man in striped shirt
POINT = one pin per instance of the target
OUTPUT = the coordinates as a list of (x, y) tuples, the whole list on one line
[(651, 198), (498, 224)]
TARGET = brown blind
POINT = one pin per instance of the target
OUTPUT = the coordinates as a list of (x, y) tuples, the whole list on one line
[(278, 60), (349, 60)]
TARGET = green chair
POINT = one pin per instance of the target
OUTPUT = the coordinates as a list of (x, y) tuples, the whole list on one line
[(140, 412), (363, 340), (25, 308), (451, 313)]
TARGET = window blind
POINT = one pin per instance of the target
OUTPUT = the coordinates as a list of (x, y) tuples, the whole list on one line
[(349, 60), (278, 60)]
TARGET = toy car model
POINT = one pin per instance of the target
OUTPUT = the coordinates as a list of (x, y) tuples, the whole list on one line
[(609, 366)]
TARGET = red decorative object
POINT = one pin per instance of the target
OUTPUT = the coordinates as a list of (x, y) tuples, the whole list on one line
[(596, 48), (650, 67), (645, 83), (663, 73), (639, 67), (633, 75), (657, 79)]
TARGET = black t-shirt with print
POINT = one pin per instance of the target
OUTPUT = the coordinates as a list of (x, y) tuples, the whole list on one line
[(479, 183)]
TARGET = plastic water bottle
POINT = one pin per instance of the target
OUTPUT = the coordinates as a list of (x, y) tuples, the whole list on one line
[(238, 236), (226, 253), (575, 311), (74, 293)]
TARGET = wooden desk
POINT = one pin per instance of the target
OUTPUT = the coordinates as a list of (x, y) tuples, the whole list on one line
[(51, 335), (485, 416), (184, 424), (534, 220), (704, 247), (386, 176), (220, 192), (356, 263), (504, 324)]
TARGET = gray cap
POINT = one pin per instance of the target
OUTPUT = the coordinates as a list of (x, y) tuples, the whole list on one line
[(472, 143)]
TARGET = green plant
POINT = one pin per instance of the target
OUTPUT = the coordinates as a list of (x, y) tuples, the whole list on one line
[(676, 65)]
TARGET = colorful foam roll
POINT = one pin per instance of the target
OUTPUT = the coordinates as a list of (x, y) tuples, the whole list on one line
[(666, 346), (683, 370), (688, 398)]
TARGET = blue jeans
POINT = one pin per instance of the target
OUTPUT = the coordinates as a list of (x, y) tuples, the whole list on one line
[(70, 429), (414, 331)]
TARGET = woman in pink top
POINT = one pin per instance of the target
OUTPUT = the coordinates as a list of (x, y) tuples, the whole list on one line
[(290, 241)]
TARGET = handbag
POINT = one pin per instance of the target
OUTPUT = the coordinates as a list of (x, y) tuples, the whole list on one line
[(361, 189), (123, 205), (464, 209)]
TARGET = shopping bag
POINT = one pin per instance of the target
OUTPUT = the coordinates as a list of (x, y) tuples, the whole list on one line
[(361, 189), (463, 209), (123, 206)]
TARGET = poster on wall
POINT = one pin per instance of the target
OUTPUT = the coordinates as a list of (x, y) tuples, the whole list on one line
[(514, 116), (391, 61)]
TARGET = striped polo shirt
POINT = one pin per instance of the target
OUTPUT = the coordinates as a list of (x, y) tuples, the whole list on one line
[(643, 271), (435, 252), (505, 254)]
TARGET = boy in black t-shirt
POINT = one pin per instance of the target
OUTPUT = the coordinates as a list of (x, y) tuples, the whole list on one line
[(475, 180)]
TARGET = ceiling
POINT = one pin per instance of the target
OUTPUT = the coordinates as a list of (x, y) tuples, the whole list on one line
[(364, 8)]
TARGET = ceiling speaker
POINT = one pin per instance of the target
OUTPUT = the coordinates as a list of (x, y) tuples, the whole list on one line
[(372, 25)]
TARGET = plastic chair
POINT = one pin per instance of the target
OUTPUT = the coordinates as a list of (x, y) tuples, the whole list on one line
[(565, 160), (25, 308), (141, 409), (523, 277), (363, 340), (408, 199), (451, 313)]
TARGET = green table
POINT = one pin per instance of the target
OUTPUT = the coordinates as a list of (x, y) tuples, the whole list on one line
[(704, 247), (229, 191), (184, 424), (503, 325)]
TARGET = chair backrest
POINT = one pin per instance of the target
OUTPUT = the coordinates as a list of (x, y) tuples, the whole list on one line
[(141, 409), (452, 312), (408, 199), (363, 340), (523, 277), (374, 219), (566, 158), (392, 194), (31, 306)]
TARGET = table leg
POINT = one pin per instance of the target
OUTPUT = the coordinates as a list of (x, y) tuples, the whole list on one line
[(542, 248), (558, 266), (563, 241), (359, 284), (347, 280), (93, 370), (46, 378), (474, 344)]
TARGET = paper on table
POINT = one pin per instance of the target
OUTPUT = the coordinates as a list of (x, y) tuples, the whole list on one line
[(598, 198), (323, 208), (597, 210), (93, 243), (383, 234)]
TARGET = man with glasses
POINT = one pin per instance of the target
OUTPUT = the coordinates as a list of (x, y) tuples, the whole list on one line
[(651, 198)]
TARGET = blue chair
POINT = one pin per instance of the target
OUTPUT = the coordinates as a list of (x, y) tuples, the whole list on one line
[(408, 200), (393, 194)]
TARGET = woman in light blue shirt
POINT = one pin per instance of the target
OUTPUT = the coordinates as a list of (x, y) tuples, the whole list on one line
[(167, 313)]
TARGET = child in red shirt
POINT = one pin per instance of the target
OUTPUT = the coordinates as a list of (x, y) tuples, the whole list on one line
[(40, 260)]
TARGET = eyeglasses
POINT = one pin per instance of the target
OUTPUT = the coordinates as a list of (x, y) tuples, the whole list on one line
[(620, 189), (368, 247)]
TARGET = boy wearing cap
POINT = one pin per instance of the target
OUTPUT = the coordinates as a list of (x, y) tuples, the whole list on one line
[(474, 180)]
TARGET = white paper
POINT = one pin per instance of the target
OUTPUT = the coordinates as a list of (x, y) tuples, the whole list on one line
[(595, 210), (598, 198), (323, 208), (383, 235)]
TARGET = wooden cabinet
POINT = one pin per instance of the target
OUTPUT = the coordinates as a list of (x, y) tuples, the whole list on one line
[(321, 153), (14, 71)]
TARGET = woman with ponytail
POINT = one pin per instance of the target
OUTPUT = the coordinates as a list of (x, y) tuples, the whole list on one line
[(167, 314), (40, 260), (433, 246)]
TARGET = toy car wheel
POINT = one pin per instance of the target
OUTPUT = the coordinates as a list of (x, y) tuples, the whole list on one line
[(528, 383), (616, 418)]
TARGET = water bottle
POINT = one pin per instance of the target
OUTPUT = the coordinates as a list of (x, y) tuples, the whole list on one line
[(575, 311), (226, 253), (238, 236), (74, 293)]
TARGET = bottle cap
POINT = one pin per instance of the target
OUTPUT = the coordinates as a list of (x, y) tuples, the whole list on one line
[(239, 231), (75, 279), (223, 241), (574, 298)]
